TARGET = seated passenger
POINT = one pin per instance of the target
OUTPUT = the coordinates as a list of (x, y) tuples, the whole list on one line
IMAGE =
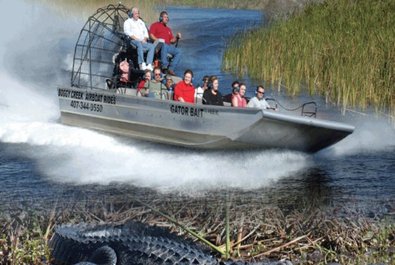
[(161, 32), (124, 72), (200, 90), (143, 84), (212, 96), (135, 28), (235, 84), (259, 101), (169, 84), (154, 87), (228, 97), (184, 90), (238, 99), (157, 85), (167, 92)]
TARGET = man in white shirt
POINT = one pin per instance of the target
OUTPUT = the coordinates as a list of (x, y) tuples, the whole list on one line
[(135, 28), (259, 101)]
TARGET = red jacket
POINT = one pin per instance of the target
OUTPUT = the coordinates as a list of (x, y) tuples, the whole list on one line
[(141, 85), (187, 92)]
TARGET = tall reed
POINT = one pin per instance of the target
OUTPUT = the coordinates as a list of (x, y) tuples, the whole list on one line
[(342, 49)]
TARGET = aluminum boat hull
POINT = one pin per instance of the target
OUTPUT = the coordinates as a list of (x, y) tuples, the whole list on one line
[(195, 126)]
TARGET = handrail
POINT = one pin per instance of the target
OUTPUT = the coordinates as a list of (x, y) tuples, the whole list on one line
[(304, 112)]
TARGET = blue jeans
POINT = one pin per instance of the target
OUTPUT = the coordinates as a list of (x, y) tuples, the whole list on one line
[(170, 49), (141, 47)]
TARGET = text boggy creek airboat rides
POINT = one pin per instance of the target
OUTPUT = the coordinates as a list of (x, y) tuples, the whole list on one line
[(98, 100), (82, 99)]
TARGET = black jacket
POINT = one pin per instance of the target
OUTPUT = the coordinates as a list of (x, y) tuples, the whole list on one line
[(211, 99)]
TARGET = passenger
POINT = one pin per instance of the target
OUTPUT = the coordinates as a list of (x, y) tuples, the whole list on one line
[(160, 31), (228, 97), (235, 84), (135, 28), (184, 90), (155, 86), (169, 87), (259, 101), (169, 84), (124, 72), (144, 84), (238, 99), (212, 96), (158, 74), (200, 90)]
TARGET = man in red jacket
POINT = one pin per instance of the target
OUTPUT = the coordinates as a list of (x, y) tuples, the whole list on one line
[(160, 31)]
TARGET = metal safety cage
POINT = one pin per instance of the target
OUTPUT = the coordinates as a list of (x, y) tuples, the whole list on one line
[(99, 41)]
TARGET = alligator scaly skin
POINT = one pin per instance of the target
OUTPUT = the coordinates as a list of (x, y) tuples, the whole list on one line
[(130, 243)]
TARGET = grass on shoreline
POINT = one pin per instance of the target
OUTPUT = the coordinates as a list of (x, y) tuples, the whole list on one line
[(344, 50), (307, 236)]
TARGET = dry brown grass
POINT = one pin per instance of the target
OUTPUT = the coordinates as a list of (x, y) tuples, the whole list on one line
[(308, 236)]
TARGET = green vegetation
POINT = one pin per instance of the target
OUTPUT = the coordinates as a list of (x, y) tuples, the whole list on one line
[(23, 239), (342, 49)]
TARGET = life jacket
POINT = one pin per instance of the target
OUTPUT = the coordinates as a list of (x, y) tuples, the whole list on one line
[(124, 71)]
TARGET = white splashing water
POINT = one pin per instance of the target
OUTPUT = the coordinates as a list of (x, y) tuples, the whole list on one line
[(372, 134)]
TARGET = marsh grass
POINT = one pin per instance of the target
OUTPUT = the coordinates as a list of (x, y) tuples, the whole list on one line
[(305, 236), (23, 239), (344, 50)]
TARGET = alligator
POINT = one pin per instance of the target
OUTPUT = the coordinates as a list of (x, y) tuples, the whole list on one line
[(129, 243)]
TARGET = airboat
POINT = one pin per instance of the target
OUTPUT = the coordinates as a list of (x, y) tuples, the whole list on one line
[(98, 100)]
